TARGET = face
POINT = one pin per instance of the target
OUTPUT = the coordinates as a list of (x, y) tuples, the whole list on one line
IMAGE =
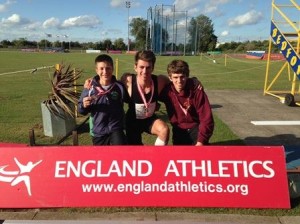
[(104, 70), (178, 80), (143, 69)]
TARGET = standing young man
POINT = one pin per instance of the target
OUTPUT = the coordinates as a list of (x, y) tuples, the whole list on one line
[(188, 107), (143, 89), (103, 99)]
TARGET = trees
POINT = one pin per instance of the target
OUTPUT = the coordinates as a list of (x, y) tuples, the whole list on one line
[(6, 43), (138, 30), (201, 31), (44, 43), (107, 43), (119, 44), (242, 47)]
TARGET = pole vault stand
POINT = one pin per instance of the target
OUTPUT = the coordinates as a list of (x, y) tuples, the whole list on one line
[(285, 35), (287, 97)]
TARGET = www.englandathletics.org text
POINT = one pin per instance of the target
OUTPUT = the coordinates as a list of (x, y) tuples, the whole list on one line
[(178, 186)]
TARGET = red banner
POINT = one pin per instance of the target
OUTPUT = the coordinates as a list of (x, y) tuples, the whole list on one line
[(171, 176)]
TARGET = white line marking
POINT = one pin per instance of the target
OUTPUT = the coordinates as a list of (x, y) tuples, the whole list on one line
[(28, 70), (275, 122)]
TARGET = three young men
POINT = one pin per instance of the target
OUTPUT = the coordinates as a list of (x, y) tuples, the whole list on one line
[(186, 102)]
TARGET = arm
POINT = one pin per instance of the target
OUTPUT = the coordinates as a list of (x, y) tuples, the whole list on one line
[(84, 102), (162, 81), (126, 79), (88, 83), (205, 116)]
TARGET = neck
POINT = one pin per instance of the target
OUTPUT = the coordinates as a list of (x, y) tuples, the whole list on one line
[(104, 82), (179, 90), (144, 83)]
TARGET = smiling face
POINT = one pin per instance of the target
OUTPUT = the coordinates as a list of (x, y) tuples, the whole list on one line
[(178, 80), (105, 72), (178, 71), (143, 70)]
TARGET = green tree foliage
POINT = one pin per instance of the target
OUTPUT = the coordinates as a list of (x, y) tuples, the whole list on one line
[(107, 44), (201, 31), (6, 43), (138, 30), (57, 43), (44, 43), (119, 44), (242, 47)]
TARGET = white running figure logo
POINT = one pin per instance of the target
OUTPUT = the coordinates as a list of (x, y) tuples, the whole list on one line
[(15, 177)]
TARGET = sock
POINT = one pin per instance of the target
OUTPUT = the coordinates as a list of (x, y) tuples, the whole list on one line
[(159, 142)]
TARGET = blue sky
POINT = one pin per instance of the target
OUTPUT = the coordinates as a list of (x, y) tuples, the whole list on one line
[(95, 20)]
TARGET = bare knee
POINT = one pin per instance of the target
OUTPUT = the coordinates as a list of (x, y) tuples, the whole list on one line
[(161, 129)]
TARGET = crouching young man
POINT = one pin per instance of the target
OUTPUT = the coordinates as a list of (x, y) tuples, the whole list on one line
[(188, 107)]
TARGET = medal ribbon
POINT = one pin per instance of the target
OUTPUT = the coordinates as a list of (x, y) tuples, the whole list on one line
[(143, 96), (183, 108), (101, 91)]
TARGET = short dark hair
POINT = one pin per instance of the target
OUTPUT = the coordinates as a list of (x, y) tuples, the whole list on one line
[(104, 58), (145, 55), (178, 67)]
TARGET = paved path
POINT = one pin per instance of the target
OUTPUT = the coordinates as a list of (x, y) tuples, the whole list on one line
[(237, 108), (144, 218)]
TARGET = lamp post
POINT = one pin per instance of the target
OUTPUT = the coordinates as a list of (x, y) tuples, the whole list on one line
[(196, 34), (128, 7)]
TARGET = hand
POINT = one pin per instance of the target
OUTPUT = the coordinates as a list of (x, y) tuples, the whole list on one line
[(88, 83), (199, 144), (87, 101), (197, 84)]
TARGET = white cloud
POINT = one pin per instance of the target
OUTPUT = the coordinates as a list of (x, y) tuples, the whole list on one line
[(51, 22), (117, 3), (210, 8), (33, 26), (214, 6), (181, 5), (14, 20), (225, 33), (4, 6), (249, 18), (104, 33), (195, 7), (81, 21)]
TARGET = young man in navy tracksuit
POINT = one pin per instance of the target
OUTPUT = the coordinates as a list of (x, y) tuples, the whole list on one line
[(104, 101)]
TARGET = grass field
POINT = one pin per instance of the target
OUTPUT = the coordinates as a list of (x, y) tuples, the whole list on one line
[(22, 92)]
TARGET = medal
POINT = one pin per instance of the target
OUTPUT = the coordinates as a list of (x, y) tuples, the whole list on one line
[(146, 104), (146, 112), (186, 105)]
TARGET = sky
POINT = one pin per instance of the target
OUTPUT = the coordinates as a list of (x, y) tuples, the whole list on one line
[(97, 20)]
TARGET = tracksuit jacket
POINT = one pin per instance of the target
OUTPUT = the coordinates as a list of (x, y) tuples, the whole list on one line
[(198, 112), (106, 112)]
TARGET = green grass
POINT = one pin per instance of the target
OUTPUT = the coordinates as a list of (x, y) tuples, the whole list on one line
[(21, 94)]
